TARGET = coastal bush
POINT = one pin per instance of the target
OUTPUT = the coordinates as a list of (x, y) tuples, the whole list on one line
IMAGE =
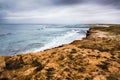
[(103, 66), (98, 56), (94, 47), (70, 56), (49, 73), (53, 53), (73, 51), (40, 67), (112, 77), (115, 29), (82, 69), (82, 46), (39, 76), (87, 78), (67, 69), (68, 78), (101, 73), (15, 63), (37, 64), (61, 57)]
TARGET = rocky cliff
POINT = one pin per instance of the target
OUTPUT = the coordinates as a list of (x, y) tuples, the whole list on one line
[(96, 57)]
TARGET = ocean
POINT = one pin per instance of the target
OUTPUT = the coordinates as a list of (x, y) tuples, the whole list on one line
[(22, 38)]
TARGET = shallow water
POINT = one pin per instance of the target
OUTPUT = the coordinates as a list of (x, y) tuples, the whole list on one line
[(15, 39)]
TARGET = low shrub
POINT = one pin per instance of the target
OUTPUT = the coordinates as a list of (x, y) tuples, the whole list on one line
[(49, 73), (53, 53), (82, 69), (15, 63), (73, 51), (103, 66), (112, 77), (70, 56)]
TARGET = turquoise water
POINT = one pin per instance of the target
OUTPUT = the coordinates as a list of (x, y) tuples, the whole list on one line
[(15, 39)]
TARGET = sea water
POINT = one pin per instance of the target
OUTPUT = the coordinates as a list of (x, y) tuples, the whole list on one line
[(22, 38)]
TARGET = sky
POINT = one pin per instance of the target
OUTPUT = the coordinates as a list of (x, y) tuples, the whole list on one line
[(59, 11)]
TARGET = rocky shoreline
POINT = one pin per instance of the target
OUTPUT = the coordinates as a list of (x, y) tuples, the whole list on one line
[(96, 57)]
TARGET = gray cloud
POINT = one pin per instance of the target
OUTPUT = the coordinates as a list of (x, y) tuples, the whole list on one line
[(57, 11), (31, 4), (67, 2), (113, 3)]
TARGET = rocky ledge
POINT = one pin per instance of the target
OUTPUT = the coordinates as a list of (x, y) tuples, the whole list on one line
[(96, 57)]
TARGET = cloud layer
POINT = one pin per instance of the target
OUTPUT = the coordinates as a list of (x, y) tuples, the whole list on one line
[(59, 11)]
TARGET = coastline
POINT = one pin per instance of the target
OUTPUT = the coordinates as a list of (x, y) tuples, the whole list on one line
[(95, 57), (101, 25)]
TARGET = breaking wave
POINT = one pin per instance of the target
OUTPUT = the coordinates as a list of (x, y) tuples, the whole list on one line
[(68, 37)]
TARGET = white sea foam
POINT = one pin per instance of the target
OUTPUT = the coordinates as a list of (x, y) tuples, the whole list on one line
[(64, 39)]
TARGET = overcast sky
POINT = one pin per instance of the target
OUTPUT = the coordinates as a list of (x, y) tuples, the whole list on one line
[(60, 11)]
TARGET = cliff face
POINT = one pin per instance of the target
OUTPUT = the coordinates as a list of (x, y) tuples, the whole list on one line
[(97, 57)]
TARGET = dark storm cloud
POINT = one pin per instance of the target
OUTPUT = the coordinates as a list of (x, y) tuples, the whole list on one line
[(113, 3), (67, 2)]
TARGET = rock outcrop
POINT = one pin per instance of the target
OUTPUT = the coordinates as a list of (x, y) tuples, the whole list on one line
[(96, 57)]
